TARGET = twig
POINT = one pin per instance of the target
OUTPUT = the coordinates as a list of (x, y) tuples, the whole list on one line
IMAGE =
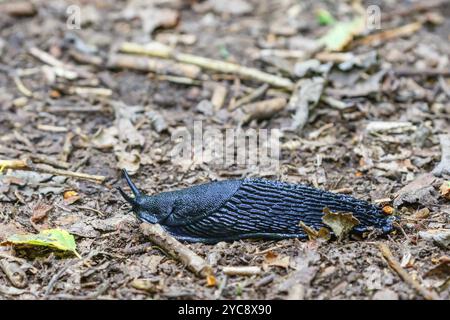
[(255, 94), (56, 276), (25, 165), (443, 166), (159, 66), (159, 50), (390, 34), (174, 248), (53, 162), (416, 7), (394, 264), (411, 72), (242, 271)]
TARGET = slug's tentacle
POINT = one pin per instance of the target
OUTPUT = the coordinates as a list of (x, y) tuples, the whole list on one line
[(133, 187), (127, 197)]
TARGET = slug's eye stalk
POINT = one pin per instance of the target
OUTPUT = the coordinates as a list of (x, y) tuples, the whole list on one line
[(134, 189)]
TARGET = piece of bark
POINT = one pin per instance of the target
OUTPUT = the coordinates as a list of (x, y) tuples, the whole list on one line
[(419, 190), (176, 249), (18, 8), (262, 110)]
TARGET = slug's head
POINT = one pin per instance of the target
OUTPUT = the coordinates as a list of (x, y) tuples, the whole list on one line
[(151, 209)]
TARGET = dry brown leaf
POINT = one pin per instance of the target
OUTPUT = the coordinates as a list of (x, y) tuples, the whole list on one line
[(40, 212), (273, 259), (148, 285), (340, 222), (323, 233), (445, 190), (70, 197), (105, 138)]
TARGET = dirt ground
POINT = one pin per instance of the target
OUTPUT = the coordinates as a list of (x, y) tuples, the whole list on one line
[(375, 130)]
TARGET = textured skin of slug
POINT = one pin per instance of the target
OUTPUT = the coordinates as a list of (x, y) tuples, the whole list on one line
[(250, 208)]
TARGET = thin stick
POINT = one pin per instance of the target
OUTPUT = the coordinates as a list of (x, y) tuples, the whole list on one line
[(159, 50), (25, 165), (394, 264), (241, 271), (176, 249)]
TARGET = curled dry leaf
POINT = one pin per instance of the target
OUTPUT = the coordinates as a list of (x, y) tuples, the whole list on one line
[(323, 233), (40, 212), (340, 222), (70, 197), (148, 285), (445, 190), (105, 138), (129, 160), (211, 281), (273, 259)]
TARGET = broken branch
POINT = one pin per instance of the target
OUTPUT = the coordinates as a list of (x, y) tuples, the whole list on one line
[(159, 50), (176, 249), (395, 265)]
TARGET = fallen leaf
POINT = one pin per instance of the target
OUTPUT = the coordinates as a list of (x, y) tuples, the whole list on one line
[(128, 133), (273, 259), (442, 270), (52, 238), (211, 281), (340, 35), (439, 236), (105, 138), (130, 161), (40, 212), (324, 17), (340, 222), (445, 190), (70, 197), (148, 285), (313, 234)]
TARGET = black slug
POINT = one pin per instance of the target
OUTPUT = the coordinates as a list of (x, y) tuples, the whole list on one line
[(248, 208)]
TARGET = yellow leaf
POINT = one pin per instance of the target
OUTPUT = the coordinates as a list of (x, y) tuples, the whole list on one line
[(69, 194), (340, 222), (211, 281), (51, 238)]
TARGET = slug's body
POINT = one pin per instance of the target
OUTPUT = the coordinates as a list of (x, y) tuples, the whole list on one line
[(248, 208)]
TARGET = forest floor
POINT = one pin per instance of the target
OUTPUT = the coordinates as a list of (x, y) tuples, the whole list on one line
[(369, 119)]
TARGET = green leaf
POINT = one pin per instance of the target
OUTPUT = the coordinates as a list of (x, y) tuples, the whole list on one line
[(52, 238), (324, 17), (342, 33)]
